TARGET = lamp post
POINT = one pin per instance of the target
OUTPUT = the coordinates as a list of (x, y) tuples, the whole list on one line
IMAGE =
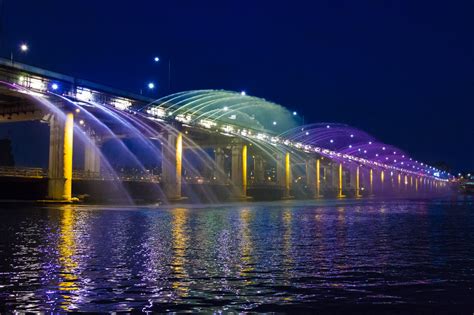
[(156, 59), (23, 48)]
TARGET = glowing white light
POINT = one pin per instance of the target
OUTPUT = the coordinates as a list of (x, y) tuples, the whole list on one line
[(156, 59), (84, 94), (295, 113), (365, 151), (226, 108), (350, 145), (370, 142), (24, 47), (328, 126), (243, 93), (332, 141), (54, 86), (352, 136), (121, 103), (274, 123), (383, 148), (376, 154), (151, 85), (78, 110), (81, 122), (307, 133)]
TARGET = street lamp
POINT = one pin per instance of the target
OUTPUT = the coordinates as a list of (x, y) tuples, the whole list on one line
[(23, 48), (156, 59)]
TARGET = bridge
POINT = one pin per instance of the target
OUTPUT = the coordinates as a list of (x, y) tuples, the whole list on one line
[(204, 137)]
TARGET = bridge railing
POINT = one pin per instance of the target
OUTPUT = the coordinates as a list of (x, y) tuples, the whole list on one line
[(31, 172)]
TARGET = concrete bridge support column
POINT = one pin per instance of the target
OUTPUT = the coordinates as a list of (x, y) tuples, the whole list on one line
[(338, 177), (356, 173), (172, 166), (371, 182), (313, 177), (219, 172), (61, 133), (310, 167), (382, 180), (259, 169), (284, 174), (239, 170), (92, 158)]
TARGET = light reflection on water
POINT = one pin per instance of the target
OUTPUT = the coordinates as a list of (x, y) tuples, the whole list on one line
[(259, 257)]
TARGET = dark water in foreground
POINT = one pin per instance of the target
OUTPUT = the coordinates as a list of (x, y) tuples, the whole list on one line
[(359, 255)]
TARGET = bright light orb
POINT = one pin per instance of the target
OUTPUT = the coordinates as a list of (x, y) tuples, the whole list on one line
[(243, 93), (54, 86), (156, 59), (274, 123), (226, 108), (151, 85), (332, 141), (24, 47), (295, 113)]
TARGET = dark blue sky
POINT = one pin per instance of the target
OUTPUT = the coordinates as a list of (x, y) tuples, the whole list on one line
[(401, 70)]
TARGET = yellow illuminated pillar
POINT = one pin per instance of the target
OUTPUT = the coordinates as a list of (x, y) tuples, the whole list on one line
[(68, 145), (244, 169), (371, 179), (399, 181), (382, 178), (406, 182), (172, 167), (357, 182), (416, 184), (287, 175), (60, 158), (318, 178), (340, 194)]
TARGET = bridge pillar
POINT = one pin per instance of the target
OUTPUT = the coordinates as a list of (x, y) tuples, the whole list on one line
[(357, 182), (371, 182), (92, 157), (313, 177), (340, 180), (219, 172), (259, 169), (310, 169), (61, 133), (172, 166), (382, 180), (239, 170), (284, 174)]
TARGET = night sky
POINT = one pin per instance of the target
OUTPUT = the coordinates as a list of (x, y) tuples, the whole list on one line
[(400, 70)]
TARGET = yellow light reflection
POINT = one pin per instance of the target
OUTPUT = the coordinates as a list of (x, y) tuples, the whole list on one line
[(67, 250), (180, 240), (246, 244)]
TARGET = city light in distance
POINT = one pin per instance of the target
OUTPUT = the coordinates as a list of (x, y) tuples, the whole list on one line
[(151, 85), (156, 59), (295, 113), (24, 47), (274, 123), (55, 86), (243, 93)]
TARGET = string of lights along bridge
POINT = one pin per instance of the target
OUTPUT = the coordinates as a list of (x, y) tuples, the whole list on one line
[(204, 142)]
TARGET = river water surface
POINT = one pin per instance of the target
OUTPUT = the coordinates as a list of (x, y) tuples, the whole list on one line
[(354, 255)]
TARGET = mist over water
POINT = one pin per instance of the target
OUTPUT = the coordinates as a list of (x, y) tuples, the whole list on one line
[(242, 257)]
